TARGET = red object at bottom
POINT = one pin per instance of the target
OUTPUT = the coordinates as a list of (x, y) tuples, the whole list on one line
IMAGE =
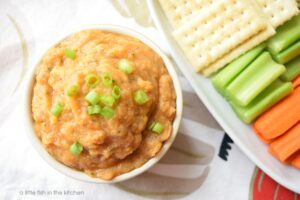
[(265, 188)]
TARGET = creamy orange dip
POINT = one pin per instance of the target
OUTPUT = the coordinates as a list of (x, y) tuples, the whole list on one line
[(107, 146)]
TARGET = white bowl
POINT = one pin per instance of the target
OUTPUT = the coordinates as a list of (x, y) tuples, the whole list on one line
[(79, 175)]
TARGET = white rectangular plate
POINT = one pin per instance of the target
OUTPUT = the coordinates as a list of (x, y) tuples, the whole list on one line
[(240, 133)]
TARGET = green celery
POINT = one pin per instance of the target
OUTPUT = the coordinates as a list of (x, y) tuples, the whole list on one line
[(265, 100), (292, 70), (288, 54), (224, 77), (286, 35), (254, 79)]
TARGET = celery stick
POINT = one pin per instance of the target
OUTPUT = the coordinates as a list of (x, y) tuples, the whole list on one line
[(292, 70), (224, 77), (288, 54), (286, 35), (265, 100), (254, 79)]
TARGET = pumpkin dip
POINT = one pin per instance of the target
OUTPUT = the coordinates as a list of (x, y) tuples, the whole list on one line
[(103, 103)]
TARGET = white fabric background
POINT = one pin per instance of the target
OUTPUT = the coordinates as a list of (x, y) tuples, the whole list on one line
[(41, 22)]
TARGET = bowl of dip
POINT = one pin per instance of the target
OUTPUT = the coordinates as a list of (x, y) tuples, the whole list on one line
[(102, 104)]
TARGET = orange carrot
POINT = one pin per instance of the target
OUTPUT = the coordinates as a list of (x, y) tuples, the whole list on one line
[(296, 82), (280, 117), (286, 145), (296, 161), (264, 140), (287, 161)]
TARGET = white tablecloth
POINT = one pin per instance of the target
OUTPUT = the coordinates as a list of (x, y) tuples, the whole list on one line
[(203, 163)]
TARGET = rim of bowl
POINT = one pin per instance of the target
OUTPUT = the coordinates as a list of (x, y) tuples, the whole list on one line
[(80, 175)]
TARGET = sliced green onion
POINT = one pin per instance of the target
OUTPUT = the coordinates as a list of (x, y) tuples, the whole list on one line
[(92, 97), (57, 109), (125, 66), (107, 100), (156, 127), (93, 110), (92, 80), (107, 112), (69, 53), (107, 79), (72, 91), (90, 110), (151, 126), (116, 92), (76, 148), (140, 97)]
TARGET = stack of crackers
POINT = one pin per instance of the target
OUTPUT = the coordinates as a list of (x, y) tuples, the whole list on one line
[(212, 33)]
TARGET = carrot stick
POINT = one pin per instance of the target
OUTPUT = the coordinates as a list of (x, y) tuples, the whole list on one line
[(296, 161), (286, 145), (280, 118), (264, 140), (287, 161), (296, 82)]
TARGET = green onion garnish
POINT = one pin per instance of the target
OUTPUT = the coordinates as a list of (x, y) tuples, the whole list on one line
[(107, 112), (151, 126), (107, 79), (90, 110), (57, 109), (72, 91), (116, 92), (76, 148), (92, 97), (91, 79), (69, 53), (156, 127), (140, 97), (93, 110), (107, 100), (125, 66)]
